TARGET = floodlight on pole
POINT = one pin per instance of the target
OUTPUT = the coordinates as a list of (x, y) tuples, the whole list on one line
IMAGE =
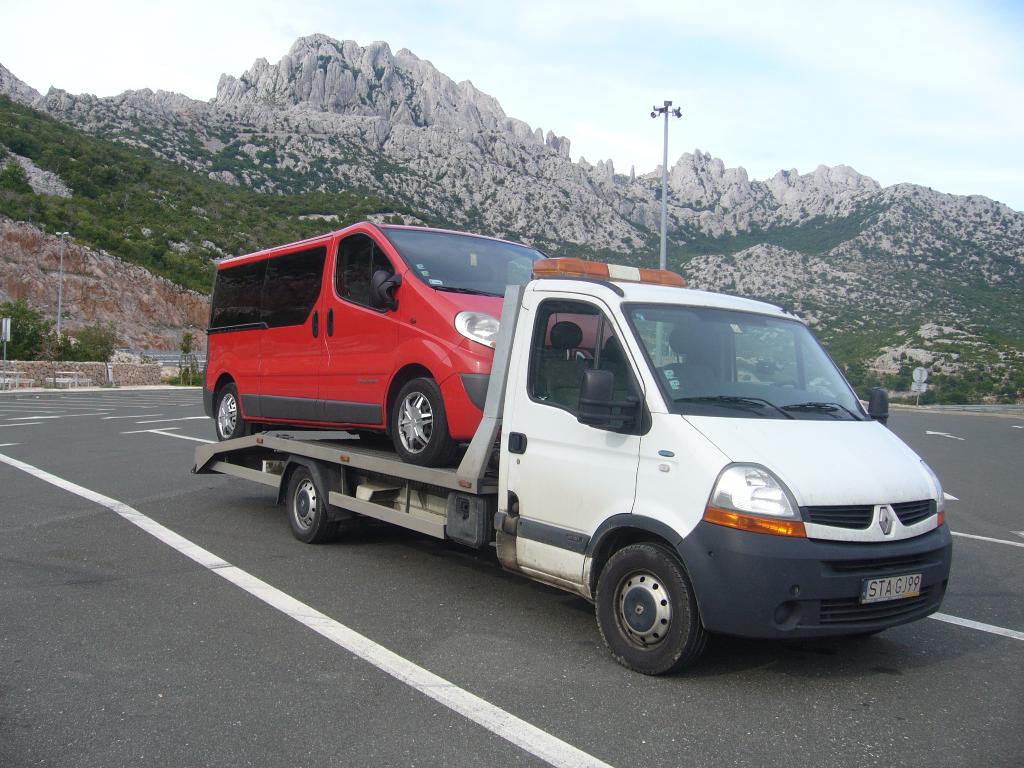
[(666, 111), (60, 282)]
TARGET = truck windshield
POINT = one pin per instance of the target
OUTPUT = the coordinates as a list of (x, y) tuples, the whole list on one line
[(449, 261), (719, 362)]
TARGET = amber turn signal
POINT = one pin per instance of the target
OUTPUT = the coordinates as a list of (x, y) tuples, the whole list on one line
[(754, 524)]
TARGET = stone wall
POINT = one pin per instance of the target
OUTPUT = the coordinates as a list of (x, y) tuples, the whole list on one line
[(90, 374)]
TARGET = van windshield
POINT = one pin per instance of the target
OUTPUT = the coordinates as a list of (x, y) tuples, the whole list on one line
[(449, 261), (720, 362)]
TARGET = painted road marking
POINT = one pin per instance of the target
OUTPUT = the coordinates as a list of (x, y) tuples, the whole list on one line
[(991, 628), (949, 496), (1019, 533), (23, 424), (1016, 426), (154, 429), (62, 416), (527, 737), (944, 434), (133, 416), (180, 437), (986, 538), (184, 418), (8, 445)]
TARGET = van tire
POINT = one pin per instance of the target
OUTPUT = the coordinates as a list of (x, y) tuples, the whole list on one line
[(227, 417), (419, 425), (307, 508), (647, 611)]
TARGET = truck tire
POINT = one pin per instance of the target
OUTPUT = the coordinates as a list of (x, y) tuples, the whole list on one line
[(307, 508), (647, 611), (419, 425)]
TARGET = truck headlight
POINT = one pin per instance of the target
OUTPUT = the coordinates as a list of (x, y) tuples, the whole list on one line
[(751, 498), (479, 327)]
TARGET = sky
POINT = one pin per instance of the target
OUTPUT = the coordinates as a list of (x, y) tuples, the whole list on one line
[(925, 92)]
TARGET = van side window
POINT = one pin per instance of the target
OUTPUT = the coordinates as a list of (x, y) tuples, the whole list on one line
[(292, 287), (358, 258), (570, 337), (236, 295)]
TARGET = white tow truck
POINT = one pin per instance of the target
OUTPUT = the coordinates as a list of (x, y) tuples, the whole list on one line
[(690, 462)]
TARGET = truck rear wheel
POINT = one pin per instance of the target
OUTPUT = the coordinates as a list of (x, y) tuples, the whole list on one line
[(647, 611), (307, 509), (229, 421), (419, 425)]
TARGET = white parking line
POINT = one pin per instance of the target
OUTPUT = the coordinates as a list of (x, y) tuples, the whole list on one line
[(154, 429), (991, 628), (133, 416), (8, 445), (184, 418), (62, 416), (987, 538), (180, 437), (527, 737), (23, 424)]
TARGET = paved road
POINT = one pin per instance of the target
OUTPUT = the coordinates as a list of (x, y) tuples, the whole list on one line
[(115, 649)]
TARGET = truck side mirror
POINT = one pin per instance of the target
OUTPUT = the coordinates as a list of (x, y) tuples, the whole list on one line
[(878, 405), (598, 408), (382, 289)]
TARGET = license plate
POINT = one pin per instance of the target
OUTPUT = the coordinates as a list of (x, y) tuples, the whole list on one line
[(890, 588)]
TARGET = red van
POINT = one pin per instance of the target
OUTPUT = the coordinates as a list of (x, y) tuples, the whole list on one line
[(383, 328)]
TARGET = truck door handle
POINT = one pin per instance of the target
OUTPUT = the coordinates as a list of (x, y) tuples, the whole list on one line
[(516, 442), (330, 322), (316, 323)]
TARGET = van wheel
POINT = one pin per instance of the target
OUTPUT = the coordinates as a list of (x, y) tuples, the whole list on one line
[(307, 509), (647, 611), (419, 426), (230, 423)]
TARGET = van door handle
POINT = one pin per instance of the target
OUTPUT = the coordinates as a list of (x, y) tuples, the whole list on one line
[(330, 322), (316, 323), (516, 442)]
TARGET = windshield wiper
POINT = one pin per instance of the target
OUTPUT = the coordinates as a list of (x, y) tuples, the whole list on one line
[(826, 407), (472, 291), (736, 402)]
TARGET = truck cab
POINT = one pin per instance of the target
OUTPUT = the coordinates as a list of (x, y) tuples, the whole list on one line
[(696, 463)]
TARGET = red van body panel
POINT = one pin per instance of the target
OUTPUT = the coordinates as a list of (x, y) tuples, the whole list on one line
[(338, 368)]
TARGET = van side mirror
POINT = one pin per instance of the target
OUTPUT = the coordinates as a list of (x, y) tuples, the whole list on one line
[(598, 408), (382, 289), (878, 405)]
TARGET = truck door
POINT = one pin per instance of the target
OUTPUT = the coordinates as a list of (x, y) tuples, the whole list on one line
[(568, 477)]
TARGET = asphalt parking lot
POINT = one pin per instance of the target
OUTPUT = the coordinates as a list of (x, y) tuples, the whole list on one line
[(118, 649)]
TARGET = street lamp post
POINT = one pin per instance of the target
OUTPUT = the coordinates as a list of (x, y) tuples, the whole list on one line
[(60, 282), (666, 111)]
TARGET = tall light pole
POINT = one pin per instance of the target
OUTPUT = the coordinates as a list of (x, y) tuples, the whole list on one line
[(60, 283), (666, 111)]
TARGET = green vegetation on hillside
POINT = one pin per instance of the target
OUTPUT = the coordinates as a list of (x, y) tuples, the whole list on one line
[(152, 212)]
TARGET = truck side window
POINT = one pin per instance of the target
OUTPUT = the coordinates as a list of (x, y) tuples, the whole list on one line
[(570, 337), (358, 258)]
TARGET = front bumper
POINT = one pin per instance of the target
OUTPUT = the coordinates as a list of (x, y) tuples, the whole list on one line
[(756, 585)]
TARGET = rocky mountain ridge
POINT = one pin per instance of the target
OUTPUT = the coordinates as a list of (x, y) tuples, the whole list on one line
[(869, 266)]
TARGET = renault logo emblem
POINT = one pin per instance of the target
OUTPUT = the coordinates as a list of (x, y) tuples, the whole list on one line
[(885, 519)]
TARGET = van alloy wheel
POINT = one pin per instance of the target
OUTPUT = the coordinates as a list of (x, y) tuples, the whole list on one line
[(227, 415), (415, 422)]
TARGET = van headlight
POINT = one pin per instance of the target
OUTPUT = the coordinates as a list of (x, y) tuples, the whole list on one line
[(479, 327), (751, 498)]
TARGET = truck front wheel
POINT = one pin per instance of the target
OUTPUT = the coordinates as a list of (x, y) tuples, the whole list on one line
[(647, 611)]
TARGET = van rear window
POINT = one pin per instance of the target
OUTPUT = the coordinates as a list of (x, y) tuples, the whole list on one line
[(276, 292)]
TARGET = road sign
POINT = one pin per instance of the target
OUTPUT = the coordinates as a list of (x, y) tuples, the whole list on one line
[(5, 329), (920, 375), (919, 386)]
